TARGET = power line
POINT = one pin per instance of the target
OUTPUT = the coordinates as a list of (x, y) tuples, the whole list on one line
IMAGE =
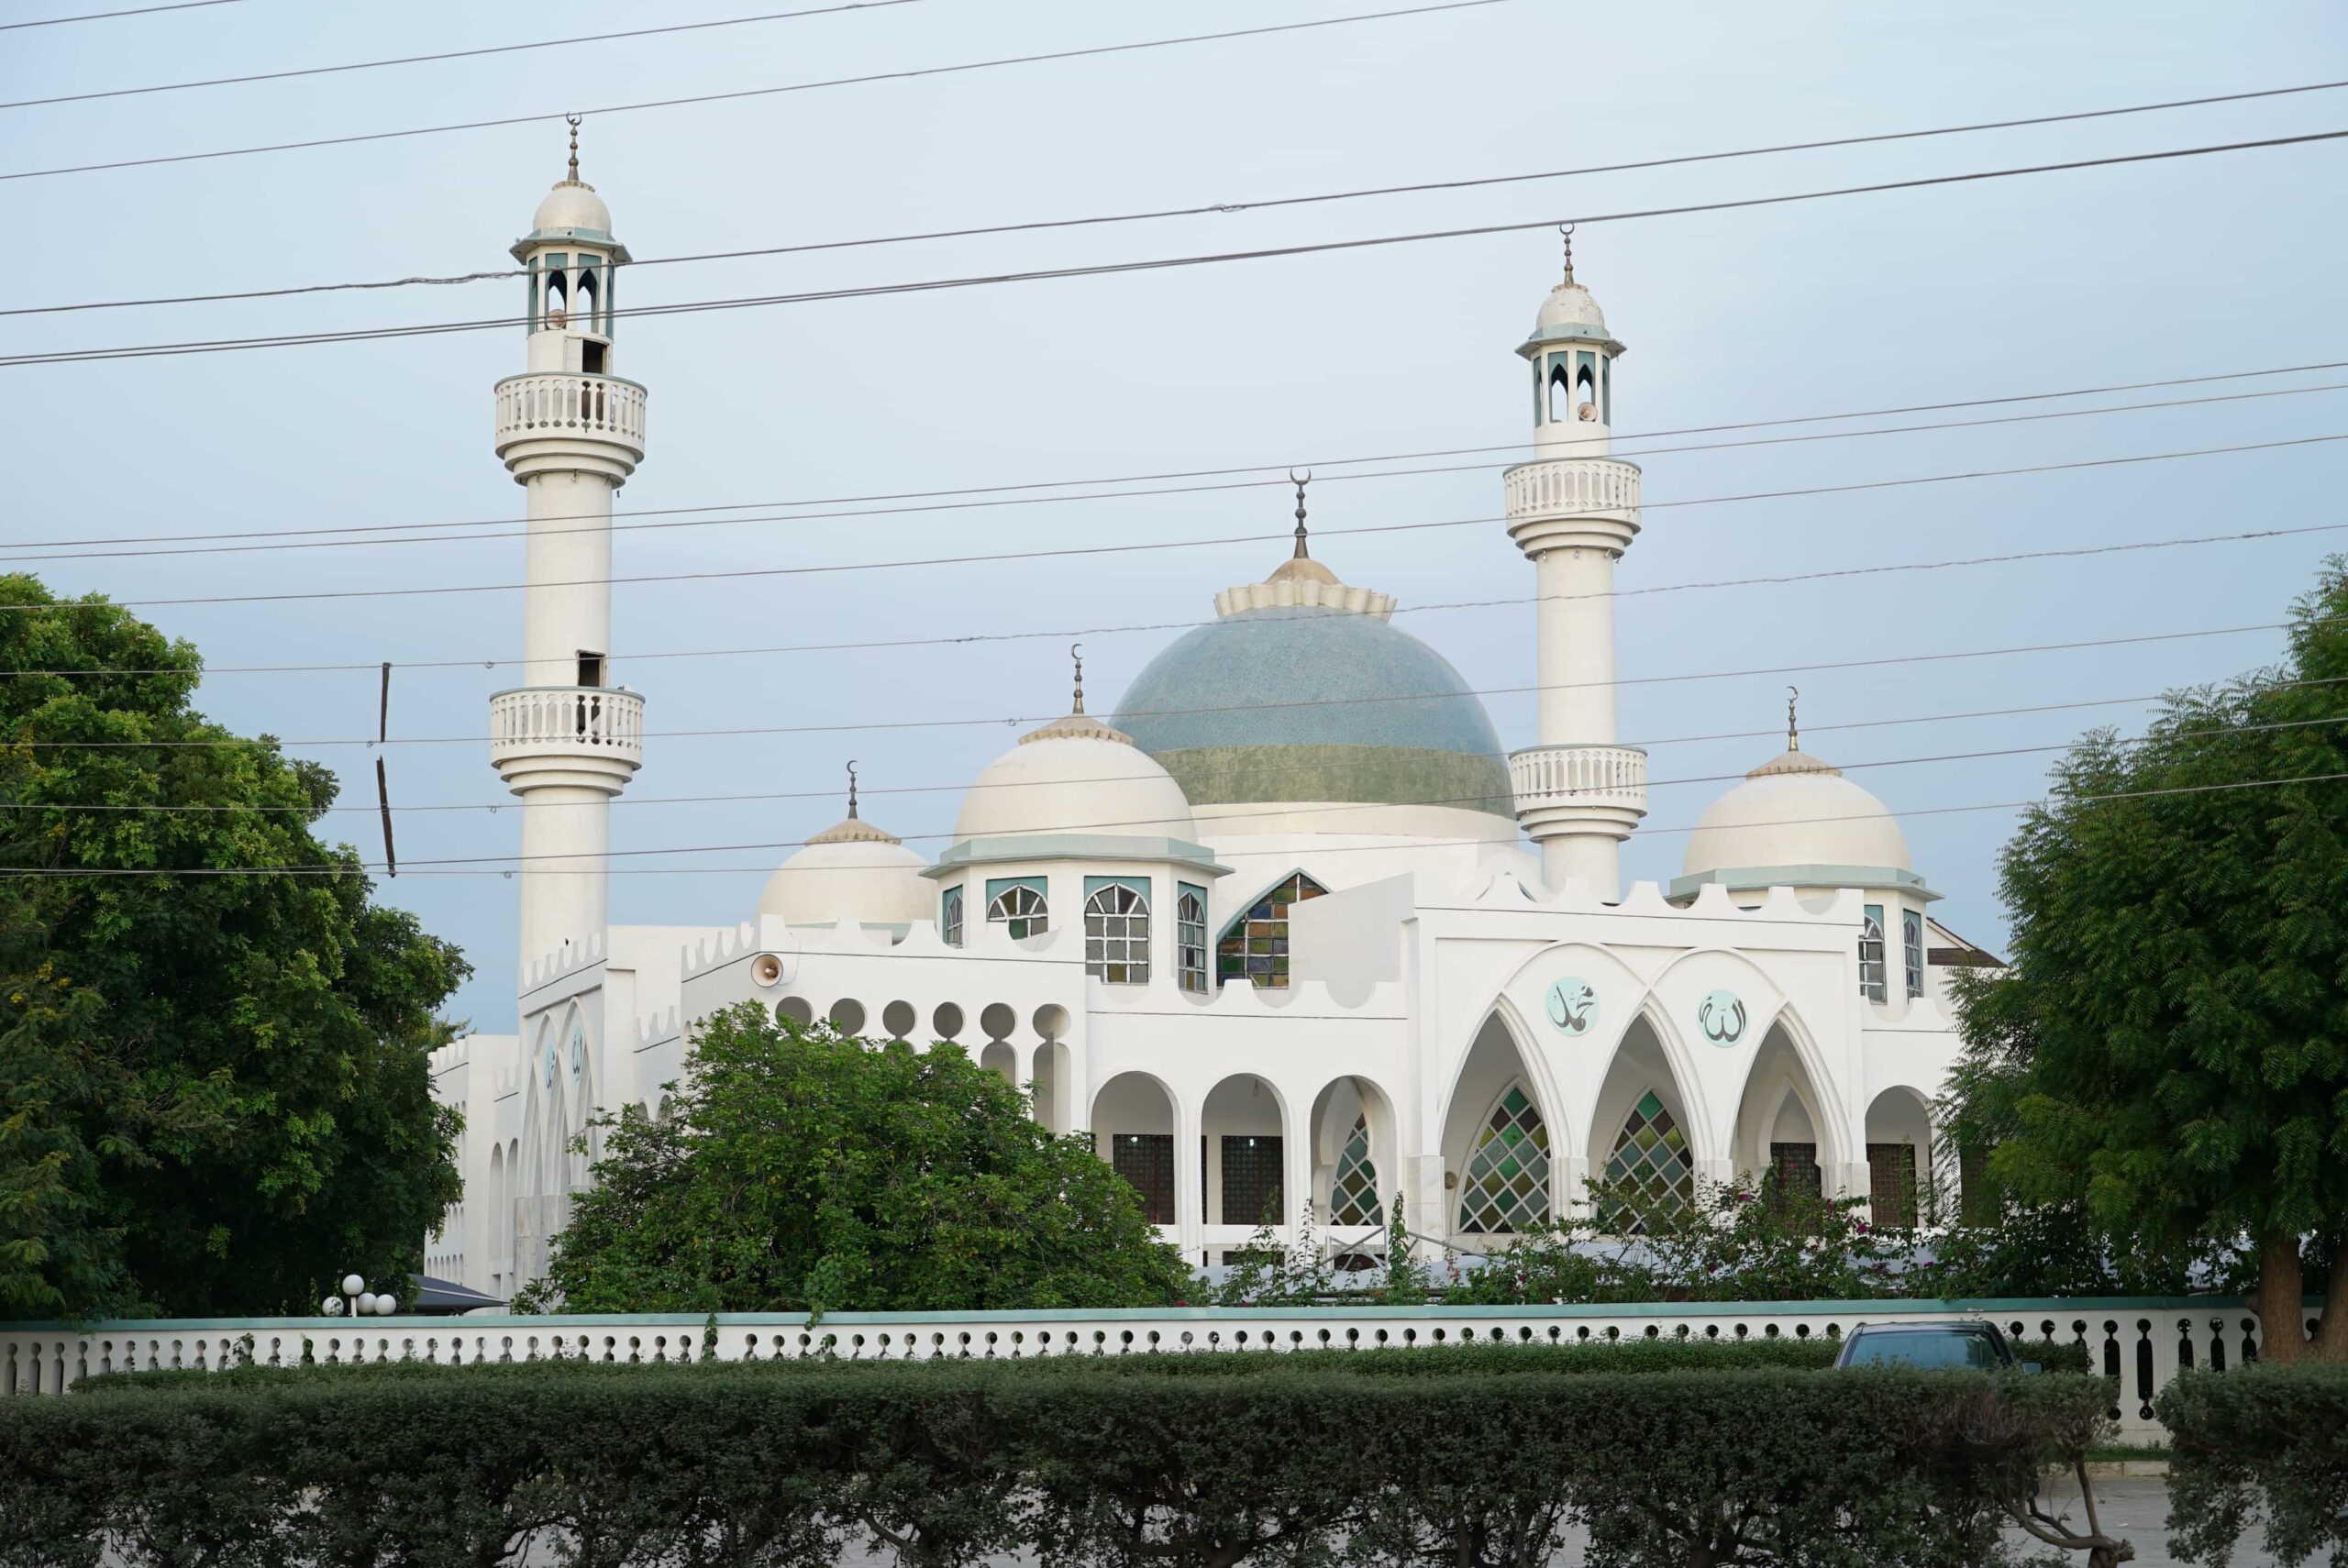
[(1109, 268), (471, 864), (1220, 209), (740, 94), (532, 531), (452, 54), (1279, 467), (106, 16), (1153, 545), (1272, 769)]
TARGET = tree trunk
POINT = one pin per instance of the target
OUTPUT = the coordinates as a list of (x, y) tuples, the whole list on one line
[(2277, 1301), (2330, 1341)]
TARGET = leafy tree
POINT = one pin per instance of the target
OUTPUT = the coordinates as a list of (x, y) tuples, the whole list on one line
[(2167, 1055), (803, 1170), (214, 1090)]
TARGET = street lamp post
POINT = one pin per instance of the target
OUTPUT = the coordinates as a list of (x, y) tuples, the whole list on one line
[(358, 1301)]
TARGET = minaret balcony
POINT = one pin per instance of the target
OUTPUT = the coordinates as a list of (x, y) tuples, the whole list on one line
[(589, 735), (1579, 789), (594, 422), (1568, 502)]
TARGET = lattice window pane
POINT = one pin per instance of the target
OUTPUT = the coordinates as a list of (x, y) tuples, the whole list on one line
[(1251, 1181), (1116, 935), (1353, 1195), (1190, 942), (1507, 1185), (1146, 1160), (1652, 1156), (1871, 964), (953, 917), (1891, 1183), (1911, 946), (1256, 945), (1022, 909)]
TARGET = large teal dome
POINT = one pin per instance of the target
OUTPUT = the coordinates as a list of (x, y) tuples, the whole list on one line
[(1306, 703)]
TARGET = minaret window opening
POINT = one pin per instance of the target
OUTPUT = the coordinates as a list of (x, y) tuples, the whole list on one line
[(593, 357), (1586, 389), (1561, 393), (584, 294), (556, 296), (1116, 935), (1606, 391), (591, 668)]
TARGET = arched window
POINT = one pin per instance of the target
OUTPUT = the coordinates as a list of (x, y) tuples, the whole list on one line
[(1116, 934), (1561, 393), (1651, 1157), (1586, 393), (1022, 908), (555, 315), (1255, 946), (1353, 1195), (1912, 949), (1506, 1188), (951, 923), (1191, 940), (1871, 964)]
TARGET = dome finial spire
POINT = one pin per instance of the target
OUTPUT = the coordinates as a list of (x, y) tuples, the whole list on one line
[(1793, 730), (1076, 652), (1566, 229), (1302, 553), (851, 790), (572, 178)]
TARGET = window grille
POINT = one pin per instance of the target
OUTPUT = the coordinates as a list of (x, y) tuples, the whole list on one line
[(1651, 1155), (1798, 1176), (952, 920), (1891, 1185), (1911, 944), (1251, 1180), (1871, 978), (1147, 1161), (1116, 935), (1353, 1195), (1507, 1186), (1022, 909), (1191, 940), (1256, 945)]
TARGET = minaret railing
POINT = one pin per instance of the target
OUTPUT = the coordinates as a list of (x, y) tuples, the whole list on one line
[(563, 403)]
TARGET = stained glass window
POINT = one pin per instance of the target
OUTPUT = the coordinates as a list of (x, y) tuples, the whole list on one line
[(1191, 940), (1256, 944), (1871, 955), (1116, 935), (1911, 946), (1507, 1186), (1353, 1195), (1022, 909), (1652, 1153)]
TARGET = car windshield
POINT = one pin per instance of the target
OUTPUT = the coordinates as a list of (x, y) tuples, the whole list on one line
[(1951, 1347)]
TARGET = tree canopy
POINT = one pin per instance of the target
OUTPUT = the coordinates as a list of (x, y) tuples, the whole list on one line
[(215, 1095), (2167, 1054), (799, 1169)]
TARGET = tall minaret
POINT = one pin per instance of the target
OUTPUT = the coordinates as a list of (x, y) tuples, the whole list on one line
[(567, 739), (1574, 511)]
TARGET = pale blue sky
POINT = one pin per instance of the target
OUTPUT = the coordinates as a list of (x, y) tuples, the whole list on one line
[(2072, 280)]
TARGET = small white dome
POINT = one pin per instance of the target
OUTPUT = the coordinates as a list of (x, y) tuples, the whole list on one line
[(1791, 812), (850, 871), (572, 205), (1569, 305), (1077, 776)]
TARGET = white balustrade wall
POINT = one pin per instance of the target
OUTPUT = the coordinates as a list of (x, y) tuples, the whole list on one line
[(562, 404), (1578, 775), (555, 720), (2142, 1342)]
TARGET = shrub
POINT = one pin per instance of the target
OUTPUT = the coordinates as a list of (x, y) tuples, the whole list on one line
[(2270, 1436), (1471, 1456)]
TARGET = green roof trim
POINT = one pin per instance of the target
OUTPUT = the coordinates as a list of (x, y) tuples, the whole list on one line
[(1742, 879)]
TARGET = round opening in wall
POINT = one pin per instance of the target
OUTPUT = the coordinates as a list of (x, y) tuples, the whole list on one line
[(998, 1021), (848, 1015), (899, 1018), (947, 1021), (795, 1009), (1052, 1020), (766, 970)]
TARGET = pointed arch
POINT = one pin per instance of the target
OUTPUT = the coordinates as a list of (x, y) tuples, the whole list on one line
[(1354, 1159), (1900, 1157), (1501, 1141), (1789, 1067), (1642, 1131), (1254, 943)]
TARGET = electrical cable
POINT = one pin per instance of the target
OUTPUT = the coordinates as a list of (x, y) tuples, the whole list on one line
[(453, 54), (468, 864), (1154, 546), (106, 16), (83, 539), (1217, 208), (532, 530), (1108, 268), (904, 75), (493, 808)]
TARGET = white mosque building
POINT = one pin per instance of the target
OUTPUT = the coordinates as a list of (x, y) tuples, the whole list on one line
[(1269, 932)]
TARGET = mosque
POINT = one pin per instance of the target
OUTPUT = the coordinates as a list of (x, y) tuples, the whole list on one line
[(1285, 932)]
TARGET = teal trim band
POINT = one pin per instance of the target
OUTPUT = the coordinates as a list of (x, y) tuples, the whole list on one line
[(970, 852), (998, 886), (1666, 1312), (1138, 884), (1742, 879), (1570, 334)]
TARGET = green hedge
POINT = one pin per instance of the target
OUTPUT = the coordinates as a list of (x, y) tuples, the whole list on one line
[(1666, 1454), (2264, 1437)]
